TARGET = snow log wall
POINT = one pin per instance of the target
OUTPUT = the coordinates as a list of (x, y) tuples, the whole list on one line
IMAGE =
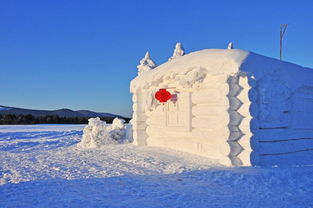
[(238, 120), (252, 111), (283, 117), (209, 119), (202, 120)]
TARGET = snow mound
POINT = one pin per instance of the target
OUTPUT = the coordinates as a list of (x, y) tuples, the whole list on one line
[(97, 133)]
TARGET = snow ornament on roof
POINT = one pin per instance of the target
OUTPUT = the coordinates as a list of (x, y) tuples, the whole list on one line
[(146, 64), (230, 46), (179, 51)]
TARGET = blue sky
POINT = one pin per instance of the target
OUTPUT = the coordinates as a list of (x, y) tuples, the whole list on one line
[(83, 54)]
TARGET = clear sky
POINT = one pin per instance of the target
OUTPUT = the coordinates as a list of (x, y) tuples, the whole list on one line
[(82, 54)]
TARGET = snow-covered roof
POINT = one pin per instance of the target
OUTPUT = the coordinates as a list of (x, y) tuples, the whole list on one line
[(193, 65)]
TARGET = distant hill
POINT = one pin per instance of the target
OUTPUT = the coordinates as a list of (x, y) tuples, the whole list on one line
[(62, 113)]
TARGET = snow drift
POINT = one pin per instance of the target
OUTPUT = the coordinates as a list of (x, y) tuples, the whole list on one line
[(97, 133)]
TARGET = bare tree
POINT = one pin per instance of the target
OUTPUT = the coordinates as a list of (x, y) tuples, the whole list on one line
[(283, 28)]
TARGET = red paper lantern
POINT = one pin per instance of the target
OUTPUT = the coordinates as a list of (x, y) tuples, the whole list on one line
[(163, 95)]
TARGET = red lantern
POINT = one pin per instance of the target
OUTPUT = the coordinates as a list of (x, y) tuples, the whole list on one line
[(163, 95)]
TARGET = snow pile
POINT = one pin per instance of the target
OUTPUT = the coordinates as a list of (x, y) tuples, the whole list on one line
[(97, 133), (179, 51), (146, 64), (192, 76), (117, 130)]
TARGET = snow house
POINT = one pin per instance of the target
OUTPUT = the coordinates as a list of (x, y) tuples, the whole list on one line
[(238, 107)]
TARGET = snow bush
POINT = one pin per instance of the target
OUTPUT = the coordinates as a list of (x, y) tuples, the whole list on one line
[(97, 133)]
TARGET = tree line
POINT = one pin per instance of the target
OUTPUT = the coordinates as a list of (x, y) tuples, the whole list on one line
[(47, 119)]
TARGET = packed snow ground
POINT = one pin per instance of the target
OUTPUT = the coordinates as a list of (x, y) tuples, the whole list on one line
[(41, 166)]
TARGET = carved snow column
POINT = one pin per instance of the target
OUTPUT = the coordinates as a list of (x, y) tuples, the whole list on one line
[(139, 120), (224, 120), (239, 124), (254, 124)]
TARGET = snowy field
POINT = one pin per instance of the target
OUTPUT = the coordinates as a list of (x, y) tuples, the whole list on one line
[(40, 166)]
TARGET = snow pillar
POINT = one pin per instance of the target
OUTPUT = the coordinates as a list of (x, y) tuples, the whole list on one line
[(239, 124), (139, 121)]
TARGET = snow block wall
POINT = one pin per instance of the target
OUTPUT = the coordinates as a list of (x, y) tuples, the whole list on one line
[(210, 118), (282, 111), (183, 124), (235, 106)]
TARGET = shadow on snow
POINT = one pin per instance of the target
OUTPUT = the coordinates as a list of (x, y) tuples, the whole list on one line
[(237, 187)]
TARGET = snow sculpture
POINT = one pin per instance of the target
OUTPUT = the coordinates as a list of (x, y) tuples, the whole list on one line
[(146, 64), (97, 133), (235, 106), (179, 51), (230, 46)]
